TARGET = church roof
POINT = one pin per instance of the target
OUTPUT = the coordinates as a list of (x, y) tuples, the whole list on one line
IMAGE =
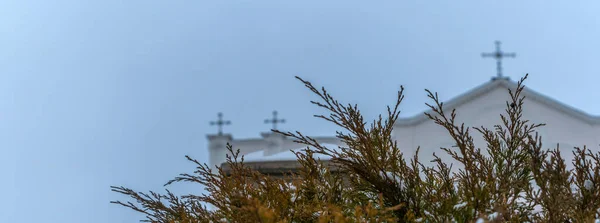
[(261, 156), (507, 84)]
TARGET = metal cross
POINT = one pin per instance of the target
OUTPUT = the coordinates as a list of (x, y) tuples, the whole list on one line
[(220, 123), (498, 55), (274, 121)]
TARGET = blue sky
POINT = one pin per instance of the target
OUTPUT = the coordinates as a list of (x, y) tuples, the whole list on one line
[(101, 93)]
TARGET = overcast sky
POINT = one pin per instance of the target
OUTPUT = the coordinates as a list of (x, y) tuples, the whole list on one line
[(100, 93)]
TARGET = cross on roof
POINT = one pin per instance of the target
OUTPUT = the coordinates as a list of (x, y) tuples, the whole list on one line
[(274, 120), (498, 55), (220, 123)]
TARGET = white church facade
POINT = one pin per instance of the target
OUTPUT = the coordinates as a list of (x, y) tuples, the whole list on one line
[(480, 106), (566, 126)]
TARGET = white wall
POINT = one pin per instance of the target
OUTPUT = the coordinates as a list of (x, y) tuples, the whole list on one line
[(485, 110), (271, 144)]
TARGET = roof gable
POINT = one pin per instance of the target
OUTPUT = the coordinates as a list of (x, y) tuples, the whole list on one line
[(505, 84)]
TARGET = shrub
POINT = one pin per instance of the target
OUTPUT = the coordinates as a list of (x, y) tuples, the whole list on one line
[(513, 179)]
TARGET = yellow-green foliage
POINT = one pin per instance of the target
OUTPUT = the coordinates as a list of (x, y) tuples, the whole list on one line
[(513, 179)]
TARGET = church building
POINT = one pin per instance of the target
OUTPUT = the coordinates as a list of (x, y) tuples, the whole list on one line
[(481, 106)]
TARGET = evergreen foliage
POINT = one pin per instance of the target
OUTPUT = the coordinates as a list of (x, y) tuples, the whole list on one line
[(513, 179)]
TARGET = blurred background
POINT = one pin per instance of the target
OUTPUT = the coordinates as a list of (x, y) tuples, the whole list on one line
[(101, 93)]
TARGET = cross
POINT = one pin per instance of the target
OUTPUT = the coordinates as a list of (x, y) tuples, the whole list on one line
[(498, 55), (220, 123), (274, 120)]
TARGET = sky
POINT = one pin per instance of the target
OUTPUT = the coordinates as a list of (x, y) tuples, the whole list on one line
[(101, 93)]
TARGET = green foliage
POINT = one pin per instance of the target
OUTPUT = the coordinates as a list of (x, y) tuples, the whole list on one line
[(513, 179)]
